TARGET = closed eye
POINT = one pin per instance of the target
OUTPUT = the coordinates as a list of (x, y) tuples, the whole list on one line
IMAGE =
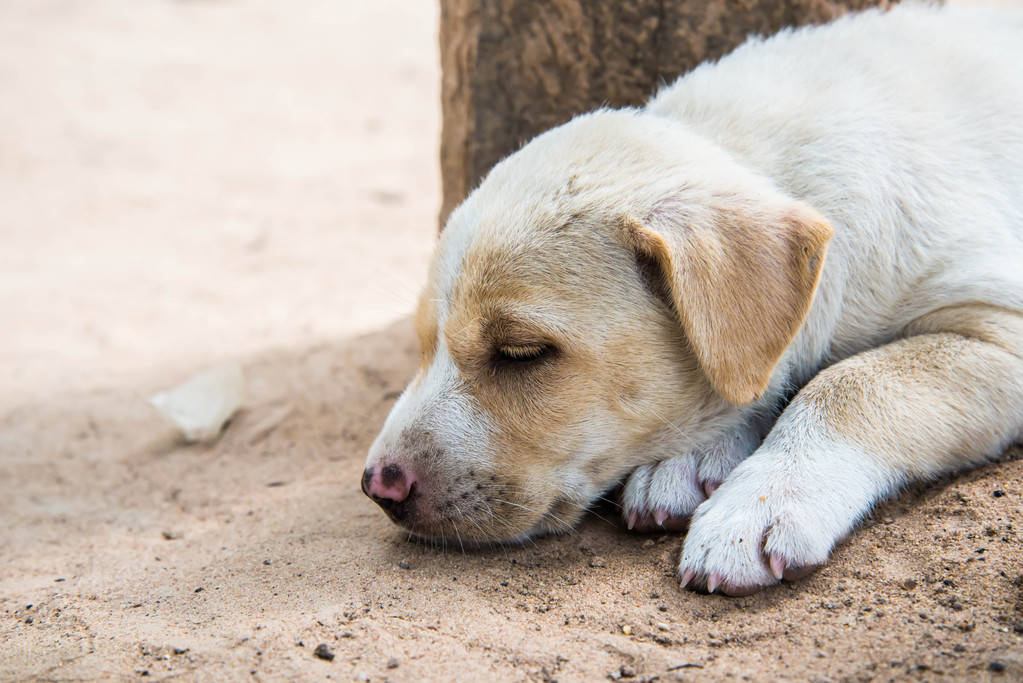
[(523, 355)]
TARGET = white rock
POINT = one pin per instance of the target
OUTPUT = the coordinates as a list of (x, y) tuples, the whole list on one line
[(201, 406)]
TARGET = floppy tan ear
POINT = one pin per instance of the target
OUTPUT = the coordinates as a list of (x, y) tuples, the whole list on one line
[(742, 281)]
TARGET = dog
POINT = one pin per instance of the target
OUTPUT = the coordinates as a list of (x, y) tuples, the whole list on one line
[(786, 287)]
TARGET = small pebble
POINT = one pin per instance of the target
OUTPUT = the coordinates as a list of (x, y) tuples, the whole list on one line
[(323, 652), (404, 565), (998, 493), (627, 630), (598, 562), (909, 584), (392, 663), (627, 671), (996, 666)]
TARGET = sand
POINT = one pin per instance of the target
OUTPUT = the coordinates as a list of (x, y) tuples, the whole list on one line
[(189, 183)]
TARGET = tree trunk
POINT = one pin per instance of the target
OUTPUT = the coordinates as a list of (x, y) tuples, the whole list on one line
[(515, 68)]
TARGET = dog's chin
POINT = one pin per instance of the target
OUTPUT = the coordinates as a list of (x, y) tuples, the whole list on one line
[(560, 518)]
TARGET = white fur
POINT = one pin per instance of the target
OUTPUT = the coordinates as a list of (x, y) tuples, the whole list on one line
[(904, 130), (882, 122), (922, 113)]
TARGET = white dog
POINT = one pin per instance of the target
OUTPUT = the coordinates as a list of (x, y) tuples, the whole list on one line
[(790, 284)]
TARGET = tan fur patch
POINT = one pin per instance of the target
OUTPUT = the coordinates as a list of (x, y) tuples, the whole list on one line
[(950, 393)]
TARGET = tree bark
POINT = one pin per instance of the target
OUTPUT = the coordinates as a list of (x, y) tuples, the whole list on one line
[(515, 68)]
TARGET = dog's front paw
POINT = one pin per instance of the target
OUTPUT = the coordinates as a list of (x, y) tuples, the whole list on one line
[(778, 516), (664, 495), (742, 540)]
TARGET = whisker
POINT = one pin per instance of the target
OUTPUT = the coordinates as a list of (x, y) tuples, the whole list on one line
[(677, 430), (458, 536)]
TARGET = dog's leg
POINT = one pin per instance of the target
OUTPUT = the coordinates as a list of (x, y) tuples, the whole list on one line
[(665, 494), (949, 397)]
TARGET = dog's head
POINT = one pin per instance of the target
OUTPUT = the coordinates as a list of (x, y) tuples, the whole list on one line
[(613, 293)]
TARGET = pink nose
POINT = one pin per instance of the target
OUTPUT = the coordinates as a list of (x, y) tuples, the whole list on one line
[(389, 483)]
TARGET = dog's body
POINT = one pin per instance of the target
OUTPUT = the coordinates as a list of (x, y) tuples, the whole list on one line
[(818, 240)]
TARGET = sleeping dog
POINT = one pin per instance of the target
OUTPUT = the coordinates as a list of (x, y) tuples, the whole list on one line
[(789, 285)]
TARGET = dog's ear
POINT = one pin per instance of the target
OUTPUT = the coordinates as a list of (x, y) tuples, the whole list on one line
[(741, 279)]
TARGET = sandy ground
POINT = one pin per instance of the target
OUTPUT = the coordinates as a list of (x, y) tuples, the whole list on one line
[(187, 183)]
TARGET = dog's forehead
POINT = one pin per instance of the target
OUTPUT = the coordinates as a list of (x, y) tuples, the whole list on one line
[(544, 220), (487, 274), (540, 254)]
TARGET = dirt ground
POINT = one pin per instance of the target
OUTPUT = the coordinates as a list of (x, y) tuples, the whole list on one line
[(184, 183)]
